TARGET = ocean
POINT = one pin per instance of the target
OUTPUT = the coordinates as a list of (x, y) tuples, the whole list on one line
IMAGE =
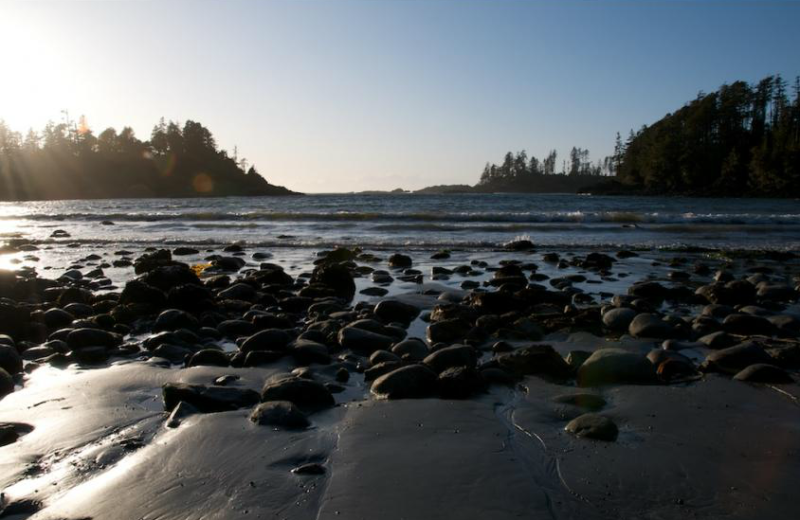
[(479, 221)]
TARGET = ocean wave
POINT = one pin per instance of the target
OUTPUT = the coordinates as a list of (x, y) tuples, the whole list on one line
[(575, 217)]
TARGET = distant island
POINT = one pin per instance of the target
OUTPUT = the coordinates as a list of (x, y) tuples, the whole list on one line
[(67, 161)]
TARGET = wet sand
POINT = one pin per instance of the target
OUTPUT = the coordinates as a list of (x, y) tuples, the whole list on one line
[(97, 444)]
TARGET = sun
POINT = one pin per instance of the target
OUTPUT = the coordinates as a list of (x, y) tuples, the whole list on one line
[(34, 73)]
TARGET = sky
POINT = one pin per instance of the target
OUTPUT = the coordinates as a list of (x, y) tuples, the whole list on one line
[(350, 95)]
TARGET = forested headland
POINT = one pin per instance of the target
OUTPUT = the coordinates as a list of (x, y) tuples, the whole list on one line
[(741, 140), (68, 161)]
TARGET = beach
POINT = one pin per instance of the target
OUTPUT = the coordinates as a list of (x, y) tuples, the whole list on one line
[(243, 363)]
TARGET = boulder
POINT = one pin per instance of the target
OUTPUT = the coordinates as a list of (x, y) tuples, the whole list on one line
[(747, 324), (460, 382), (281, 414), (209, 357), (306, 352), (619, 319), (85, 337), (398, 260), (393, 310), (764, 373), (10, 360), (7, 383), (593, 426), (732, 360), (208, 399), (647, 325), (615, 366), (239, 291), (305, 393), (409, 382), (540, 360), (449, 357), (172, 319), (268, 339), (363, 341), (592, 402), (412, 349), (337, 277)]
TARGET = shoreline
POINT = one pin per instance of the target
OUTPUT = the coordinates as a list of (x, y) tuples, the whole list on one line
[(504, 336)]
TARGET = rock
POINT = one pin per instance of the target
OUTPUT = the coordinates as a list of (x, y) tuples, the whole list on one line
[(10, 360), (82, 338), (409, 382), (7, 383), (519, 245), (184, 251), (647, 325), (91, 355), (56, 318), (747, 324), (282, 414), (239, 291), (590, 402), (228, 263), (363, 341), (717, 311), (337, 277), (305, 393), (393, 310), (449, 357), (717, 340), (618, 320), (236, 328), (593, 426), (268, 339), (307, 352), (412, 349), (785, 324), (614, 366), (259, 358), (374, 291), (173, 353), (208, 399), (776, 292), (399, 261), (138, 292), (382, 356), (378, 369), (173, 319), (448, 331), (167, 277), (459, 382), (190, 297), (764, 373), (540, 360), (209, 357), (732, 360), (648, 290), (179, 413)]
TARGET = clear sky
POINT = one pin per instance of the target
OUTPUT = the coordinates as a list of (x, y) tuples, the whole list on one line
[(343, 95)]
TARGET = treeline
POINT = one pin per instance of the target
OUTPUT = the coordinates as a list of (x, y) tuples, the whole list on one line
[(518, 173), (742, 140), (67, 160)]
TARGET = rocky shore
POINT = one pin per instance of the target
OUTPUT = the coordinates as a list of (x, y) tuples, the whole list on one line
[(516, 383)]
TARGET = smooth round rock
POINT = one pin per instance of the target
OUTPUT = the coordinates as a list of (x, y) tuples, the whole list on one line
[(593, 426), (282, 414)]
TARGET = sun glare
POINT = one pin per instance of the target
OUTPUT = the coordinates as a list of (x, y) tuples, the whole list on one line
[(34, 80)]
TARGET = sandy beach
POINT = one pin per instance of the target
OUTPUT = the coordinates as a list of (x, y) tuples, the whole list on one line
[(277, 388)]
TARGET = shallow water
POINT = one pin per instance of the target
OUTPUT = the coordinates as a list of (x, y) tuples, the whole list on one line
[(421, 221)]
